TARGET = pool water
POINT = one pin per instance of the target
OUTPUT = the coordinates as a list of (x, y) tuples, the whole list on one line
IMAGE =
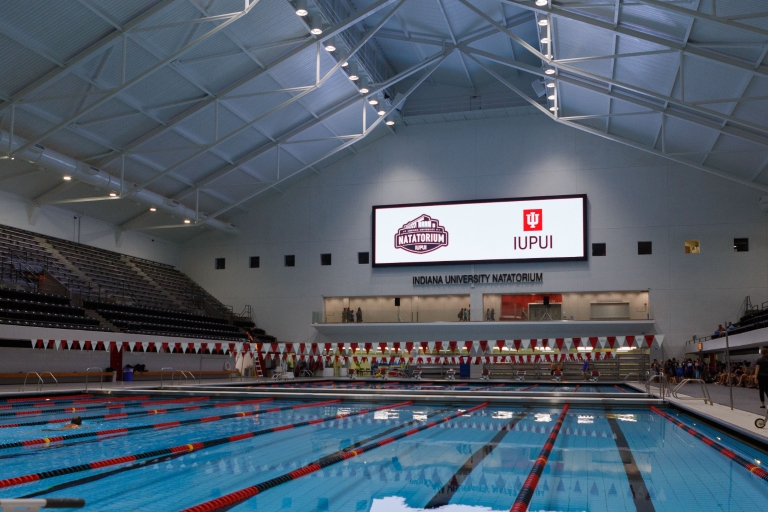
[(612, 459), (459, 385)]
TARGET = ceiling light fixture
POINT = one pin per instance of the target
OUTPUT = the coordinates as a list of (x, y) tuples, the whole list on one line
[(551, 97), (390, 122), (553, 109), (543, 22), (330, 44), (544, 40), (152, 209), (373, 101), (66, 177), (187, 221), (353, 72), (113, 194), (542, 3), (301, 7), (317, 25), (551, 85), (381, 111), (549, 71), (364, 85)]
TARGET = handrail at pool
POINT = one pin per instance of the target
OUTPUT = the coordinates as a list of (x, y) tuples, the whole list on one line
[(704, 391), (38, 385), (626, 379), (93, 369), (34, 505), (663, 384), (52, 376), (164, 369)]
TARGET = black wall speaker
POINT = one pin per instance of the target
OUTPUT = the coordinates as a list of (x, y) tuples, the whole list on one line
[(546, 300), (397, 301)]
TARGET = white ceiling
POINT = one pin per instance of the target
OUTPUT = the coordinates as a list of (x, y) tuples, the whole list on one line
[(201, 99)]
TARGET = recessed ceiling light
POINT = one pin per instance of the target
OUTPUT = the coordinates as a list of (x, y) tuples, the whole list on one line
[(551, 97), (113, 194), (317, 25), (152, 209), (553, 109), (187, 221), (330, 44), (382, 112), (373, 101), (543, 22), (353, 72), (301, 7), (66, 177), (551, 85), (345, 64), (544, 40), (541, 3), (549, 71), (390, 122), (364, 85)]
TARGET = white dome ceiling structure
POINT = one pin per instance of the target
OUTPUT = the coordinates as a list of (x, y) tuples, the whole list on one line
[(176, 115)]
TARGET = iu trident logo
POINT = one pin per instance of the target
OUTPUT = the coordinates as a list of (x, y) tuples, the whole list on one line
[(532, 220), (421, 235)]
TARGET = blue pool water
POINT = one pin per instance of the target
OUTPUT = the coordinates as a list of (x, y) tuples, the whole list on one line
[(459, 385), (620, 459)]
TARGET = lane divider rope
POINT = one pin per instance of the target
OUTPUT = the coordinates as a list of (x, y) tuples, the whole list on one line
[(620, 388), (730, 454), (83, 401), (122, 415), (230, 500), (183, 448), (38, 398), (75, 408), (529, 387), (529, 486), (165, 425)]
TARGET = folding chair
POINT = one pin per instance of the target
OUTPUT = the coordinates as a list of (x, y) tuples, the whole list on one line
[(520, 375), (595, 376), (450, 374)]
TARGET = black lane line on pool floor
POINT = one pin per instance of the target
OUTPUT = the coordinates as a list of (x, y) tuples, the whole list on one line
[(168, 458), (444, 495), (640, 494)]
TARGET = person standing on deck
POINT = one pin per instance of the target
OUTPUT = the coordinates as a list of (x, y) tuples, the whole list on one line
[(761, 371)]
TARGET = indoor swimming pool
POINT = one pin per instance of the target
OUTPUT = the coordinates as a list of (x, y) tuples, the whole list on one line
[(205, 453), (458, 385)]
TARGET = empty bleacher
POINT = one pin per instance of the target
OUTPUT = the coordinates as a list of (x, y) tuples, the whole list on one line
[(18, 307), (145, 320), (117, 292)]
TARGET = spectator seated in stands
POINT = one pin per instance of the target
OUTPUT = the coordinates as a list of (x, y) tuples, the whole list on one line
[(719, 331)]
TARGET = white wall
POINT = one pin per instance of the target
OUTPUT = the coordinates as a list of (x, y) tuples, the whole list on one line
[(633, 196), (70, 226)]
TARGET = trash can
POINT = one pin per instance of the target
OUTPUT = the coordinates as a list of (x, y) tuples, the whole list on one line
[(128, 375), (464, 371)]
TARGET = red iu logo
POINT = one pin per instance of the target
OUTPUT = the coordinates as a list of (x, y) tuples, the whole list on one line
[(532, 220), (423, 234)]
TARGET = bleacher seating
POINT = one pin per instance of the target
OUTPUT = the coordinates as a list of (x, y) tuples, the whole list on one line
[(141, 320), (19, 307), (133, 295)]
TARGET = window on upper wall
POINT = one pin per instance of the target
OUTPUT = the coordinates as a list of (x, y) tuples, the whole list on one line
[(644, 248), (254, 262), (325, 259), (220, 263), (363, 258), (290, 260), (741, 245), (598, 249), (692, 247)]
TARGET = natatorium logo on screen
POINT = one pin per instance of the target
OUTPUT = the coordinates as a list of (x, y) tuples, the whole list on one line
[(421, 235)]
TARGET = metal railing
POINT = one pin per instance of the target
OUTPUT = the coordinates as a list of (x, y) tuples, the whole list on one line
[(704, 391), (92, 370), (663, 384), (38, 384), (186, 375), (52, 376), (167, 368)]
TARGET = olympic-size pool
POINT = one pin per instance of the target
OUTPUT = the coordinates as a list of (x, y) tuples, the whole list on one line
[(458, 385), (155, 456)]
